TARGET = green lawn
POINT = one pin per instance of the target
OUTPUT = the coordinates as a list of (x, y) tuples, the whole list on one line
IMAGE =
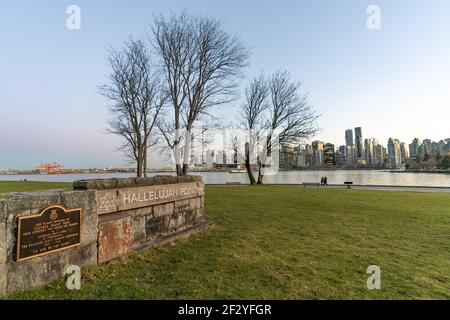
[(20, 186), (289, 243)]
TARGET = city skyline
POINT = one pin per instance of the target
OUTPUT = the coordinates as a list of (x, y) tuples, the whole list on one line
[(216, 153), (365, 152), (392, 82)]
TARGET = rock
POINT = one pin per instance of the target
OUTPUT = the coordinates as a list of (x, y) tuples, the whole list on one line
[(163, 209)]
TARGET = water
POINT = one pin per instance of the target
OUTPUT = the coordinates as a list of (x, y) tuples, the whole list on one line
[(360, 177)]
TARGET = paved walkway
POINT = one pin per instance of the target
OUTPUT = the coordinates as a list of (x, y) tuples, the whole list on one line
[(390, 188), (358, 187)]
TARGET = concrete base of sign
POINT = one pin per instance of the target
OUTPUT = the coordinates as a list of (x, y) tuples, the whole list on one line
[(118, 216)]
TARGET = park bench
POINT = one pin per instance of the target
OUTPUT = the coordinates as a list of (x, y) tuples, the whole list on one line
[(311, 184), (348, 184)]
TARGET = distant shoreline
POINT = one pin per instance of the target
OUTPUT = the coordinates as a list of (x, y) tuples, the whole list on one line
[(224, 171), (227, 171), (422, 171)]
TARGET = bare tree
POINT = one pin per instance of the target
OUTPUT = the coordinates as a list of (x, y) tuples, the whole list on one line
[(201, 64), (136, 100), (291, 118), (252, 119)]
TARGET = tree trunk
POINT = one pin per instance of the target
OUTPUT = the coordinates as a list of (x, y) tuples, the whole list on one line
[(248, 166), (139, 164), (187, 151), (185, 169), (179, 170), (145, 163), (260, 174)]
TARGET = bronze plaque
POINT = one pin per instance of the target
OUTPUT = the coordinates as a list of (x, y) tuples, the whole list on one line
[(52, 230)]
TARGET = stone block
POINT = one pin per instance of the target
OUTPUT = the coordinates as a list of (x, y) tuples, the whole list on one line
[(143, 182), (2, 209), (200, 188), (190, 217), (3, 243), (43, 270), (177, 222), (107, 184), (86, 200), (126, 183), (202, 202), (138, 229), (83, 255), (194, 203), (133, 198), (89, 228), (95, 184), (156, 226), (36, 201), (163, 209), (182, 203), (107, 201), (3, 278), (81, 185), (199, 215), (80, 199), (140, 212), (114, 239)]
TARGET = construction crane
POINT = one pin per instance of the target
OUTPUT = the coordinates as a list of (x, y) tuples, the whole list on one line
[(50, 168)]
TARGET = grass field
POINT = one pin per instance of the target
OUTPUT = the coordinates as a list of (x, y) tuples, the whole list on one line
[(22, 186), (288, 243)]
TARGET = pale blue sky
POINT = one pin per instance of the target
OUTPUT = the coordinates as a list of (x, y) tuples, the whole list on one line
[(392, 82)]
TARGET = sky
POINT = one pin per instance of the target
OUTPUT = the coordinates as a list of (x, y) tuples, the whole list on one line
[(393, 82)]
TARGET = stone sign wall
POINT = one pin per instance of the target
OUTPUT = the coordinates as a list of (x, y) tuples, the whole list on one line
[(42, 233)]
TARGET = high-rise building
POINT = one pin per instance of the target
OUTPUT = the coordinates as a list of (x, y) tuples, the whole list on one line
[(341, 157), (426, 147), (308, 155), (414, 148), (348, 137), (404, 152), (328, 154), (288, 157), (380, 154), (317, 148), (301, 156), (394, 153), (370, 150), (350, 154), (446, 148), (359, 143)]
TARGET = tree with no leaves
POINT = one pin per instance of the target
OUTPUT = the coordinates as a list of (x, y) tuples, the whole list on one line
[(252, 119), (201, 64), (137, 100), (278, 110)]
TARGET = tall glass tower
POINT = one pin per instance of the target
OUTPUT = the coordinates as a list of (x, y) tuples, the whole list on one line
[(348, 137), (359, 143)]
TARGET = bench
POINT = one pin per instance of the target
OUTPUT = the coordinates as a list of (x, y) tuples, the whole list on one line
[(348, 184), (311, 184), (233, 183)]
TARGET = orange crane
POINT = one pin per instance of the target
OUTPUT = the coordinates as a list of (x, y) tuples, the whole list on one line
[(50, 168)]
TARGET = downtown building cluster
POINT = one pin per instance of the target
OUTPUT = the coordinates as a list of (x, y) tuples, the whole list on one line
[(362, 152)]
